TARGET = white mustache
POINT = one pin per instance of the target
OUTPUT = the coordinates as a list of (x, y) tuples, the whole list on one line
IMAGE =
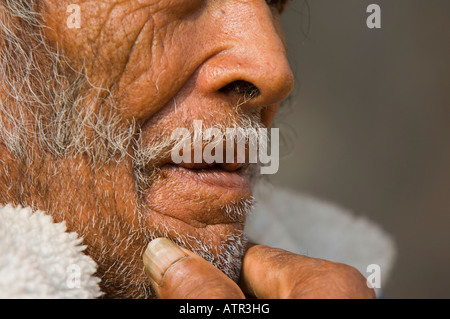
[(230, 145)]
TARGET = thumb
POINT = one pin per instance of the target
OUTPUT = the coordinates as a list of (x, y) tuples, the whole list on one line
[(177, 273)]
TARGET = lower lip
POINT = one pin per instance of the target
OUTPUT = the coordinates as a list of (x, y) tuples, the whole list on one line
[(215, 177)]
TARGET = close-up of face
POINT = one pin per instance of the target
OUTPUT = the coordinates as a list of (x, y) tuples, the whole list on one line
[(88, 111), (224, 149)]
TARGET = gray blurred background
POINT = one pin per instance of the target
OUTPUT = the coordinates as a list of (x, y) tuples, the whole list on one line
[(371, 115)]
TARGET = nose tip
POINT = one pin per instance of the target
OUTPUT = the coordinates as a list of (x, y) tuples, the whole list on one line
[(253, 65), (262, 78)]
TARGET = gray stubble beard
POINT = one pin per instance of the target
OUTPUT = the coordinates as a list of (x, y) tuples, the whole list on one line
[(45, 109)]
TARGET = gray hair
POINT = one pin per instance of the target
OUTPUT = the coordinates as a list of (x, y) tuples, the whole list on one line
[(45, 98), (46, 103)]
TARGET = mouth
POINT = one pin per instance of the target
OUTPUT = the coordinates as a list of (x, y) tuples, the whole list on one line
[(200, 195), (230, 177)]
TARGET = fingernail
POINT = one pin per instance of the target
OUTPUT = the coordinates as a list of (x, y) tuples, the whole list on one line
[(160, 254)]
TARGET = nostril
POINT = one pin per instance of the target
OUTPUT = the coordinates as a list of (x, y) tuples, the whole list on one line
[(242, 88)]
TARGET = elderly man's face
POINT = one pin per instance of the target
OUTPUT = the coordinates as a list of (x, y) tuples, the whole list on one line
[(95, 151)]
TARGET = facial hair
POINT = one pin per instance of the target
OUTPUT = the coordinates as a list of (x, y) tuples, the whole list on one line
[(51, 110)]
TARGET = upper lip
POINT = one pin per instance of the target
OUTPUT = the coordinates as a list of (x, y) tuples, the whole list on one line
[(229, 167), (232, 166)]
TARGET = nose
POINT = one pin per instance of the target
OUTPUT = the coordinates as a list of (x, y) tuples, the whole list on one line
[(251, 69)]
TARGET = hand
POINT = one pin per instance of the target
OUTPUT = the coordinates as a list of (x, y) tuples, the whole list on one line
[(274, 273), (178, 273), (266, 273)]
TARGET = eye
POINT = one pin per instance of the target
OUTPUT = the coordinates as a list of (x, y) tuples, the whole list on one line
[(279, 5)]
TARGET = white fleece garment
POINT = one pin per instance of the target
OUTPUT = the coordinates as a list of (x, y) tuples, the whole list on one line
[(39, 259), (305, 225)]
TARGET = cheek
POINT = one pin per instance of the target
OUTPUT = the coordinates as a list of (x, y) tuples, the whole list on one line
[(105, 38), (91, 194), (137, 50)]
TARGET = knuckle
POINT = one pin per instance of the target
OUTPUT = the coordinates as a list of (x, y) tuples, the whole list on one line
[(347, 282), (331, 280)]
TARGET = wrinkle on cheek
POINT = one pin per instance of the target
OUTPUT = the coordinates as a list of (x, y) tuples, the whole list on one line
[(107, 35), (147, 54), (153, 67), (139, 56), (138, 50), (123, 28)]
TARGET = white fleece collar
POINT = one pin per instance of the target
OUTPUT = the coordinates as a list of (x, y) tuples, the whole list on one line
[(39, 259)]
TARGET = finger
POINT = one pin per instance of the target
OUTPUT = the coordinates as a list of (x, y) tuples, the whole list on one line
[(258, 276), (180, 274), (285, 275), (288, 275)]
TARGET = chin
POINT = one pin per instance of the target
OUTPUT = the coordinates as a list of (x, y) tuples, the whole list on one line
[(201, 210)]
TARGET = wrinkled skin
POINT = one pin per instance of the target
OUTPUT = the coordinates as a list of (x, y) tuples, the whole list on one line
[(158, 55), (166, 63), (267, 273)]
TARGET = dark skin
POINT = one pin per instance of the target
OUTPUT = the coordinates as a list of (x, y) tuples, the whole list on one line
[(285, 275), (154, 57)]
